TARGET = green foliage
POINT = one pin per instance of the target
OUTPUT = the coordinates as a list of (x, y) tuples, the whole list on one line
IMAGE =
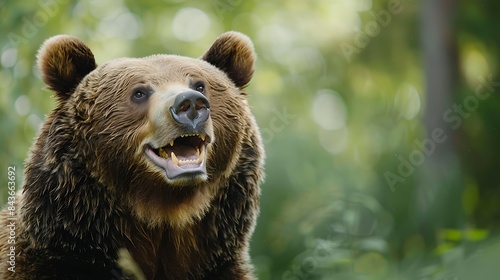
[(339, 95)]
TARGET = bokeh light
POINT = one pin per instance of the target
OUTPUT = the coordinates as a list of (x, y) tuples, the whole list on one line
[(329, 110), (190, 24)]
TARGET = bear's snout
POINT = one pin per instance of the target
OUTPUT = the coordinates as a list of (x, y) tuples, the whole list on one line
[(190, 109)]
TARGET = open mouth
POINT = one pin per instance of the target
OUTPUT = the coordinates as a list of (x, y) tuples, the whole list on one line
[(182, 156)]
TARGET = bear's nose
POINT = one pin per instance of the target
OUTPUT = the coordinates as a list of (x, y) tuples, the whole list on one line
[(190, 109)]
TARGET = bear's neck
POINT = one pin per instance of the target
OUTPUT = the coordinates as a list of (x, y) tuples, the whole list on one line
[(150, 248)]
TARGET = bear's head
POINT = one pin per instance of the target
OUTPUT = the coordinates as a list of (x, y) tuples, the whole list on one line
[(163, 133)]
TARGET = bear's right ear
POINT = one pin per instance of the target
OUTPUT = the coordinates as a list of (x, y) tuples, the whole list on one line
[(233, 53), (64, 61)]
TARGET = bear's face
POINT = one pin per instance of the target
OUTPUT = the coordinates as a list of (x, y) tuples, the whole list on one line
[(161, 132), (162, 110)]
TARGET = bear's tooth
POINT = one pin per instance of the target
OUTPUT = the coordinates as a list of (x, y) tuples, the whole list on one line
[(201, 157), (163, 154), (171, 142), (174, 159), (197, 150), (202, 136)]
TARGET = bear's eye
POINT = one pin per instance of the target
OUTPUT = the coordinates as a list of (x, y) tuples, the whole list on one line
[(200, 87), (140, 95)]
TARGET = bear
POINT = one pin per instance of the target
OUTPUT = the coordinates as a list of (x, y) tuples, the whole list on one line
[(158, 159)]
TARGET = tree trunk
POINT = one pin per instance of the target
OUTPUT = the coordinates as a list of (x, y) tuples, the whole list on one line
[(438, 195)]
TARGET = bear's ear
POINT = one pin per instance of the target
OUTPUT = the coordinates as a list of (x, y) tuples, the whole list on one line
[(233, 53), (64, 61)]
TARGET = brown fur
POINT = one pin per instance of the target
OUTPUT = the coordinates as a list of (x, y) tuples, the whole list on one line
[(90, 192)]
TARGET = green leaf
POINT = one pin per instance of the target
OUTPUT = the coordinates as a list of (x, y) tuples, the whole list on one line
[(477, 234)]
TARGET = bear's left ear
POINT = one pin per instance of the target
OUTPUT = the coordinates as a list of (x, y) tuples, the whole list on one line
[(233, 53), (64, 61)]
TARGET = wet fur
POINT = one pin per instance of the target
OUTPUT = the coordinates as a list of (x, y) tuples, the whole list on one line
[(89, 192)]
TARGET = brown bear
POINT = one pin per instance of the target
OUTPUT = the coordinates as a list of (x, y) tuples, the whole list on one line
[(156, 158)]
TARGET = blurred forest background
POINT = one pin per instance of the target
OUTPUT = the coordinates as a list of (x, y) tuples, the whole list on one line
[(381, 121)]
